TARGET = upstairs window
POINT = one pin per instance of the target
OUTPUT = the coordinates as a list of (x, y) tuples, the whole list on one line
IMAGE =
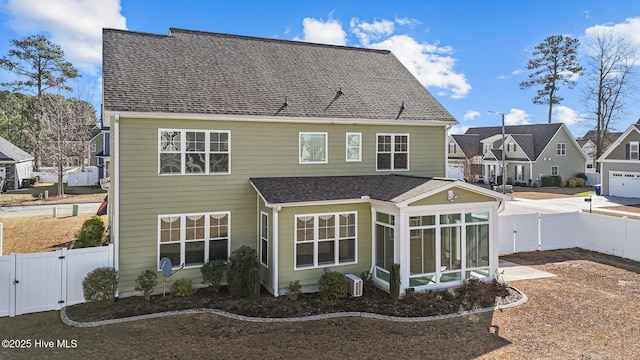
[(634, 150), (313, 148), (452, 148), (194, 152), (392, 152), (561, 149), (354, 147), (486, 148), (511, 147)]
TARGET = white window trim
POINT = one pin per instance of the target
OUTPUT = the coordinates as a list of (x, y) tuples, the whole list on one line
[(183, 233), (452, 146), (519, 174), (315, 240), (511, 147), (636, 152), (561, 149), (393, 152), (183, 151), (347, 147), (264, 239), (326, 149), (557, 170), (94, 147)]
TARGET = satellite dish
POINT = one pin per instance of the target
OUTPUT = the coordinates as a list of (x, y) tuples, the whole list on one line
[(165, 266)]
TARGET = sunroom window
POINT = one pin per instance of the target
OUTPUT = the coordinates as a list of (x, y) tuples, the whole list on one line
[(325, 239)]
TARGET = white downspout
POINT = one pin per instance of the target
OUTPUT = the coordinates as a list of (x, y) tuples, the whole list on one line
[(276, 212), (115, 185)]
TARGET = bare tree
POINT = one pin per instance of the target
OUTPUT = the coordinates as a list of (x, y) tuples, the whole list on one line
[(64, 130), (610, 63), (555, 61)]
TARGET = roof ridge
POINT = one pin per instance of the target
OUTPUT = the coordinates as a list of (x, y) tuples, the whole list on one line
[(257, 38), (133, 32)]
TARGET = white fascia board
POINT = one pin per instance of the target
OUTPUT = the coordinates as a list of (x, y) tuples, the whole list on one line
[(278, 119), (456, 184), (618, 141)]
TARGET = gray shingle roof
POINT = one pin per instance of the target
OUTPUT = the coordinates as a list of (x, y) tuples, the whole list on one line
[(208, 73), (469, 144), (12, 153), (392, 188), (541, 135)]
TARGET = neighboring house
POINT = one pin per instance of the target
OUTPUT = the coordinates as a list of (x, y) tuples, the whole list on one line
[(99, 150), (620, 165), (15, 165), (588, 145), (464, 158), (317, 156), (530, 151)]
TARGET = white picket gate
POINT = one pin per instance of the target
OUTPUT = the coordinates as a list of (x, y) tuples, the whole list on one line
[(48, 280)]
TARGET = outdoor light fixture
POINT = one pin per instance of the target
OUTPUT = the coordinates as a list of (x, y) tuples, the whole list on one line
[(451, 195)]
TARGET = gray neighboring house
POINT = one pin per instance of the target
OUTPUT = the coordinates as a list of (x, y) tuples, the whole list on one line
[(620, 165), (588, 145), (15, 165), (531, 151)]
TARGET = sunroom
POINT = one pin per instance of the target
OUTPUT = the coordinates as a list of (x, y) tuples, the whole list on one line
[(440, 231)]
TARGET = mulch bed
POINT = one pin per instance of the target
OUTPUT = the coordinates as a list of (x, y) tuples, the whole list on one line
[(430, 303)]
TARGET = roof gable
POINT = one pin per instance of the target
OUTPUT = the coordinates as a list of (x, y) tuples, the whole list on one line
[(12, 153), (541, 135), (191, 72), (633, 129)]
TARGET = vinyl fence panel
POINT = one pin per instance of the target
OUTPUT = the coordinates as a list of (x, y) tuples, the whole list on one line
[(7, 296), (632, 248), (80, 263), (560, 230), (602, 233)]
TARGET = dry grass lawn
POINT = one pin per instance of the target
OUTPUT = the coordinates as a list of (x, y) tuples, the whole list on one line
[(29, 234)]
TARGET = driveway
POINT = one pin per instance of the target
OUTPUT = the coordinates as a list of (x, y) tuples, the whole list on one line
[(562, 205)]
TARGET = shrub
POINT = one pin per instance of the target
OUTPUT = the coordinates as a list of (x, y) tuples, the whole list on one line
[(91, 233), (293, 290), (333, 286), (394, 283), (549, 181), (182, 288), (573, 182), (212, 273), (146, 282), (243, 273), (99, 286), (580, 181), (582, 176), (367, 281)]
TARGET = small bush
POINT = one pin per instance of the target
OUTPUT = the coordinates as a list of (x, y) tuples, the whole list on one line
[(182, 288), (394, 283), (367, 281), (212, 273), (243, 273), (146, 282), (582, 176), (573, 182), (99, 286), (449, 294), (91, 234), (581, 182), (293, 290), (550, 181), (333, 286)]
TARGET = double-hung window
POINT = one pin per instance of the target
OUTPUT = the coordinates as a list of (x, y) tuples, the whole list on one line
[(561, 149), (511, 147), (325, 239), (354, 147), (193, 239), (313, 148), (194, 152), (264, 238), (392, 152), (634, 150), (452, 148), (555, 170)]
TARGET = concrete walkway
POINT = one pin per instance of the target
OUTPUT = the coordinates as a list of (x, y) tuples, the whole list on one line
[(515, 272)]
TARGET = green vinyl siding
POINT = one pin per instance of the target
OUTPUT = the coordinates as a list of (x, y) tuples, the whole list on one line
[(286, 242), (258, 149), (463, 196)]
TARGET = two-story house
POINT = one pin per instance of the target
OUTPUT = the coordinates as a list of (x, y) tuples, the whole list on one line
[(317, 156), (620, 165), (530, 152), (99, 148)]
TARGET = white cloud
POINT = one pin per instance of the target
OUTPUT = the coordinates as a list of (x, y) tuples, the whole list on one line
[(458, 129), (405, 21), (629, 30), (567, 115), (367, 32), (323, 32), (429, 63), (471, 114), (516, 117), (75, 25)]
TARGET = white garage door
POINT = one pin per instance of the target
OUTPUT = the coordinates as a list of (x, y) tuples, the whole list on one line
[(455, 172), (625, 184)]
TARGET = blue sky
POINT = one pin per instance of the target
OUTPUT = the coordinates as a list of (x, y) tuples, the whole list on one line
[(471, 55)]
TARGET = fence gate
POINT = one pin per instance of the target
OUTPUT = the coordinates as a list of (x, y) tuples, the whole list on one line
[(48, 280)]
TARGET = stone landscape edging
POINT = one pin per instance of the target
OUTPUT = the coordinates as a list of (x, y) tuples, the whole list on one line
[(66, 320)]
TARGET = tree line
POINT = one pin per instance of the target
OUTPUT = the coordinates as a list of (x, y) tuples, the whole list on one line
[(609, 57), (35, 114)]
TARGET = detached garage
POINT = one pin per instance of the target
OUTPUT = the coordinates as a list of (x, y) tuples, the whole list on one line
[(620, 165), (624, 184)]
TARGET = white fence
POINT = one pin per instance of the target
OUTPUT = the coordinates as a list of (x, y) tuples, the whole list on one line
[(72, 176), (47, 280), (606, 234)]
